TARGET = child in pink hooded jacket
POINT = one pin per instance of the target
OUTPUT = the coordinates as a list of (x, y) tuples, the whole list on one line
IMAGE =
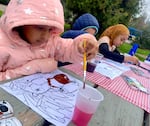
[(30, 39)]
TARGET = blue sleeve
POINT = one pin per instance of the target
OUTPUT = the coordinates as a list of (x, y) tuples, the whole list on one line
[(72, 33), (115, 55)]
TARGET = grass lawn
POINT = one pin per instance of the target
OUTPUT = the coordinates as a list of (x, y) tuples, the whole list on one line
[(141, 53)]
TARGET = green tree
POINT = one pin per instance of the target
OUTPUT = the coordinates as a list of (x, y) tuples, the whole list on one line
[(5, 2), (145, 40), (144, 26), (108, 12)]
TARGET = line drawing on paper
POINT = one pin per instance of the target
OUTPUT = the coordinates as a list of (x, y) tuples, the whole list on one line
[(51, 95)]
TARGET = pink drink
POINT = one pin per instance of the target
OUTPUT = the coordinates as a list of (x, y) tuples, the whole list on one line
[(81, 118)]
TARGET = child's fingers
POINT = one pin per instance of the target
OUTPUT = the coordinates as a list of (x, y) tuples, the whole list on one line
[(81, 48), (91, 49), (92, 53)]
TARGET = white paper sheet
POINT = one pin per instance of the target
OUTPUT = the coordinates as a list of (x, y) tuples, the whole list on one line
[(111, 69), (55, 104), (118, 65)]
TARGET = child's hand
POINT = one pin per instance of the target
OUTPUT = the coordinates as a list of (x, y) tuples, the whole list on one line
[(132, 59), (135, 60), (91, 48)]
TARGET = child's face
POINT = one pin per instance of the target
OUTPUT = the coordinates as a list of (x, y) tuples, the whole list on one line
[(119, 40), (36, 34), (91, 30)]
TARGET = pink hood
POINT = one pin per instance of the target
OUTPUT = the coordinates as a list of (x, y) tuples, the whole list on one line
[(17, 57), (33, 12)]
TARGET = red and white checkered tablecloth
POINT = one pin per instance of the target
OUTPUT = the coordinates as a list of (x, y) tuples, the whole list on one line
[(145, 65), (118, 86)]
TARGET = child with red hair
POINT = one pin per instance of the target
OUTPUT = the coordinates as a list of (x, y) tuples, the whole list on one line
[(110, 39)]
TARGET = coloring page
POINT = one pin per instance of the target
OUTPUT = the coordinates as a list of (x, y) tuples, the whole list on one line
[(51, 95)]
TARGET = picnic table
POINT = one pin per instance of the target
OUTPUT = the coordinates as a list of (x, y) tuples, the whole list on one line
[(113, 111)]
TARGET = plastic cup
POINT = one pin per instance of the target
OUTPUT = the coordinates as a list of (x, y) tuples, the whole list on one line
[(88, 100), (99, 56), (90, 67), (148, 58)]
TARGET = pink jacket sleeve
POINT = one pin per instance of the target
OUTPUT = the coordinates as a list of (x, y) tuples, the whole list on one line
[(4, 57), (34, 66), (67, 50)]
